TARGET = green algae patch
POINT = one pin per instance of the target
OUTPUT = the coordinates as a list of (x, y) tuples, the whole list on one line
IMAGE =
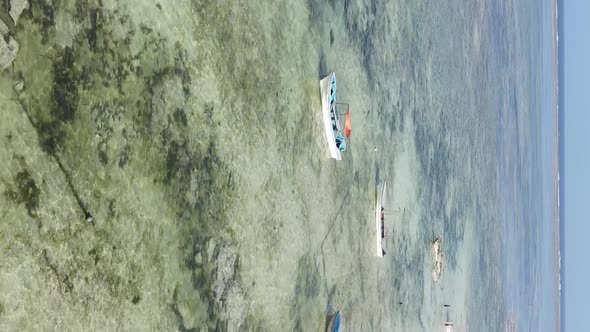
[(24, 191), (115, 113), (163, 122)]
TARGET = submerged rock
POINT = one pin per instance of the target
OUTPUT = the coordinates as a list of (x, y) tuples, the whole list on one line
[(226, 259), (227, 291), (8, 47), (19, 85), (17, 7)]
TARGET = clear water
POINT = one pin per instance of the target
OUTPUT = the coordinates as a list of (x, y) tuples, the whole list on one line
[(192, 134)]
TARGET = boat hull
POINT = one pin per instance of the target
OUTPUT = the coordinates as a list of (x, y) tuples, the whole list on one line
[(325, 85), (333, 322), (380, 205), (437, 259)]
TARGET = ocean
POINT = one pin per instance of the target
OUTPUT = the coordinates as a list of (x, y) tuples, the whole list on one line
[(191, 133)]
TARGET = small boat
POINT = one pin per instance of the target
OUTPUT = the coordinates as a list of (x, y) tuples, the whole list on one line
[(332, 320), (448, 327), (437, 259), (335, 136), (380, 219)]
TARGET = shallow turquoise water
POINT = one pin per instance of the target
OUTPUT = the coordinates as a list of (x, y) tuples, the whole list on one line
[(192, 134)]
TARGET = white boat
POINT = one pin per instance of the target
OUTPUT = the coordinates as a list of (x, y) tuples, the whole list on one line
[(380, 220), (437, 259), (448, 327), (332, 126)]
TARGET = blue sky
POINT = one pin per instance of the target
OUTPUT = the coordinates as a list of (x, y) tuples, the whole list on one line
[(577, 163)]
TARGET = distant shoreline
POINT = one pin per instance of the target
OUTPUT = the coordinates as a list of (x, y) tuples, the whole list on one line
[(555, 79)]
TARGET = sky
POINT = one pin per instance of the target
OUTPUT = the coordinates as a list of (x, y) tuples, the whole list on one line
[(576, 93)]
